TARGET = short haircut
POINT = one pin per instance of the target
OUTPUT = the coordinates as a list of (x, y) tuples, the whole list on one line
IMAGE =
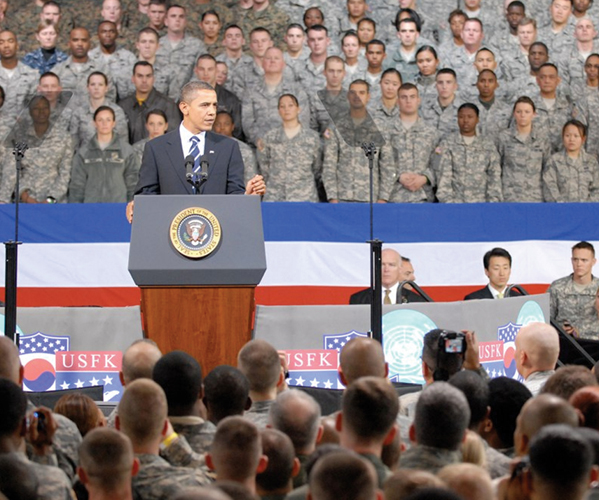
[(456, 13), (506, 399), (485, 49), (141, 356), (233, 27), (342, 475), (408, 86), (375, 42), (51, 74), (149, 31), (367, 20), (236, 448), (318, 27), (442, 416), (180, 376), (549, 65), (370, 406), (496, 252), (486, 71), (281, 456), (104, 108), (260, 29), (226, 391), (516, 3), (294, 26), (93, 73), (106, 21), (135, 420), (175, 6), (143, 64), (561, 457), (16, 479), (330, 59), (469, 105), (586, 402), (210, 12), (14, 402), (51, 3), (162, 114), (525, 21), (80, 409), (209, 57), (434, 493), (447, 71), (297, 414), (106, 456), (476, 390), (427, 48), (568, 379), (259, 362), (360, 81), (403, 482), (584, 245), (412, 14), (475, 20), (189, 90), (538, 44), (524, 99)]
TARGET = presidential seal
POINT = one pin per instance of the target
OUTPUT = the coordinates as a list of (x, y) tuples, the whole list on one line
[(195, 232)]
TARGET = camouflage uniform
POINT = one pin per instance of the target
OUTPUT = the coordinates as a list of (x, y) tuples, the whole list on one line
[(468, 173), (352, 72), (234, 66), (345, 171), (249, 74), (522, 162), (407, 150), (311, 76), (324, 107), (502, 41), (73, 77), (331, 10), (290, 180), (259, 112), (571, 181), (463, 64), (382, 471), (180, 59), (272, 18), (384, 117), (444, 120), (195, 11), (36, 60), (493, 120), (571, 63), (198, 432), (82, 123), (250, 164), (258, 413), (158, 480), (408, 68), (119, 66), (297, 63), (427, 86), (557, 42), (588, 107), (515, 64), (374, 81), (53, 484), (575, 306), (18, 88), (498, 464), (138, 151), (553, 120), (428, 458)]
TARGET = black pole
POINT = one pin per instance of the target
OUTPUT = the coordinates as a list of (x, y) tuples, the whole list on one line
[(11, 247)]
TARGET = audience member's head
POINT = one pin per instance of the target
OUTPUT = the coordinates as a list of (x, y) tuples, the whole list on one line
[(282, 465), (442, 417), (568, 379), (406, 481), (259, 362), (106, 462), (139, 360), (470, 481), (297, 414), (180, 376), (10, 364), (16, 479), (537, 348), (12, 417), (438, 365), (538, 412), (586, 402), (476, 391), (226, 393), (82, 410), (361, 357)]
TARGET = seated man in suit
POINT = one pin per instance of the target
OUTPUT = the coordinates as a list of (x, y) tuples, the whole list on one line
[(498, 267), (391, 276)]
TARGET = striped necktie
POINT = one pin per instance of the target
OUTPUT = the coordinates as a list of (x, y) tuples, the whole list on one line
[(195, 152)]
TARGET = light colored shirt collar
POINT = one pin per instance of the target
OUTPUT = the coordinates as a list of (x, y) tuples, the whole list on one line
[(186, 143), (495, 293)]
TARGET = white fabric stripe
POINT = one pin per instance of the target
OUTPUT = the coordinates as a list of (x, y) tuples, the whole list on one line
[(302, 263)]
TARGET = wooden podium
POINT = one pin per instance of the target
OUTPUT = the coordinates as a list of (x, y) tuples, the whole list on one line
[(201, 305)]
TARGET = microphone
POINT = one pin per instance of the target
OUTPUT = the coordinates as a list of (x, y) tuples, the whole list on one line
[(189, 161), (204, 170)]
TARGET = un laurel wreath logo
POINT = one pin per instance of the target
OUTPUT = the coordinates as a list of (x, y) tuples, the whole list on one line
[(195, 232)]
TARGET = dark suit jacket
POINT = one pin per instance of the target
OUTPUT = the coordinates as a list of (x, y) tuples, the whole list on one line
[(363, 297), (163, 166), (485, 293)]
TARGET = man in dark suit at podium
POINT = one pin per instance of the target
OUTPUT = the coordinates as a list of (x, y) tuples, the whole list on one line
[(163, 165), (498, 267), (391, 265)]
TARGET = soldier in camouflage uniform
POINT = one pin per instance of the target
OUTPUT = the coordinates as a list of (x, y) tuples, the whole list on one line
[(330, 101), (469, 170), (196, 10), (295, 180), (266, 15), (406, 157), (494, 114), (524, 152), (572, 298), (234, 57), (17, 79), (571, 61), (156, 480), (572, 175), (296, 51), (119, 61), (385, 111), (345, 171), (225, 125), (558, 33), (147, 46), (310, 74), (259, 109), (46, 35), (441, 111), (47, 164), (403, 58)]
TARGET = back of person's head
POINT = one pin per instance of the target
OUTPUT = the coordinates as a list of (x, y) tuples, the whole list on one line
[(434, 494), (80, 409), (538, 345), (361, 357), (442, 417), (106, 460), (16, 479), (342, 475), (259, 361), (369, 408), (10, 364), (404, 482), (586, 402), (318, 453), (506, 399), (236, 450), (538, 412), (14, 404), (568, 379), (180, 376), (469, 481), (297, 414), (441, 364), (276, 478), (202, 493), (560, 462), (226, 393), (476, 391), (142, 412), (139, 360)]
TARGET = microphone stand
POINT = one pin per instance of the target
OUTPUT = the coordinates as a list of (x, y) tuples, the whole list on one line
[(376, 306), (10, 311)]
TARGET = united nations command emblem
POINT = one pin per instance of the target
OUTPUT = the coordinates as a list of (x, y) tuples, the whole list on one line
[(195, 232)]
